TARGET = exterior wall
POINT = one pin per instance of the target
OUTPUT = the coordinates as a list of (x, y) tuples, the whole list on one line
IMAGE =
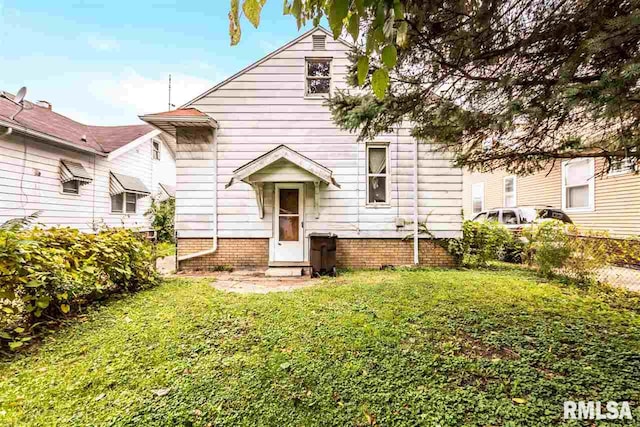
[(196, 195), (265, 107), (351, 253), (375, 253), (617, 198), (231, 252), (30, 182), (163, 171)]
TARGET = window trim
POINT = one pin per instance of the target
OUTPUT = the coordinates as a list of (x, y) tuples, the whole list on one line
[(504, 191), (153, 149), (307, 77), (630, 168), (124, 210), (590, 181), (386, 175), (481, 184), (66, 193)]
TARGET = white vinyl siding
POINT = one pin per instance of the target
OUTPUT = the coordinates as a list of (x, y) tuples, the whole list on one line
[(263, 108), (509, 191), (30, 182), (578, 185)]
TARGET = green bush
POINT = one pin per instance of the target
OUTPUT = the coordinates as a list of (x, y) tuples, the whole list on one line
[(162, 216), (47, 274), (555, 247), (483, 242)]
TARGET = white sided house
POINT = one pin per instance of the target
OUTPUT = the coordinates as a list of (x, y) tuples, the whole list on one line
[(76, 175), (261, 166)]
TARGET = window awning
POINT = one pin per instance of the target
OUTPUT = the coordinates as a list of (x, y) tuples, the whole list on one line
[(119, 184), (72, 171), (282, 164)]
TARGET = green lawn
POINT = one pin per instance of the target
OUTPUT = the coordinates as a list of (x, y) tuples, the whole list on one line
[(386, 348)]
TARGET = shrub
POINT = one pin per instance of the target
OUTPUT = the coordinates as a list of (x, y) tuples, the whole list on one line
[(162, 218), (556, 247), (483, 242), (47, 274)]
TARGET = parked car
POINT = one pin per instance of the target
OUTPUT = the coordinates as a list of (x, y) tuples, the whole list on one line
[(519, 217)]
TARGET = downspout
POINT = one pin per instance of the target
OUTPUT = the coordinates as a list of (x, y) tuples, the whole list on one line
[(213, 248), (416, 258)]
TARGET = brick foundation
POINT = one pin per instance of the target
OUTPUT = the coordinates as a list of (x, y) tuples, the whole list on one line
[(238, 253), (374, 253), (351, 253)]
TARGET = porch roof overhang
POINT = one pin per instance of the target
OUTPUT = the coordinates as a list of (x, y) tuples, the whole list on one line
[(269, 168), (315, 171), (186, 117)]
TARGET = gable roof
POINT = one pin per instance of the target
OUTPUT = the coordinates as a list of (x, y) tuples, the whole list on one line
[(48, 125), (264, 59), (314, 168)]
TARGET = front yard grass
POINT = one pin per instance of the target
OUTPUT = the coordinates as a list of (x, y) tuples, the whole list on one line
[(450, 348)]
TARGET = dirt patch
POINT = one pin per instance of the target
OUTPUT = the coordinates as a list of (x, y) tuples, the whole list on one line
[(252, 282)]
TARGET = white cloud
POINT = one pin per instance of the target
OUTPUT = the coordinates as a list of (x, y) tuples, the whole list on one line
[(102, 43), (140, 94)]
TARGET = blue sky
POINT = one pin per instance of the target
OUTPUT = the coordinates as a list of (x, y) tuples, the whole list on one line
[(106, 62)]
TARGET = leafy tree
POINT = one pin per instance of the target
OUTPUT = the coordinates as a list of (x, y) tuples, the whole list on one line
[(162, 216), (517, 84)]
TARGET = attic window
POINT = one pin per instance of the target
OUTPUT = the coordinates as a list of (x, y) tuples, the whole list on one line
[(318, 76), (319, 42)]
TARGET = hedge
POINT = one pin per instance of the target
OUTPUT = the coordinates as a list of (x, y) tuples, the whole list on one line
[(47, 274)]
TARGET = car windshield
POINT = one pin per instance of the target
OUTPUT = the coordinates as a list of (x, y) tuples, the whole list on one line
[(528, 215)]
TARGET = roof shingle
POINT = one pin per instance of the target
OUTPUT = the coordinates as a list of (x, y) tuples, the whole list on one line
[(103, 139)]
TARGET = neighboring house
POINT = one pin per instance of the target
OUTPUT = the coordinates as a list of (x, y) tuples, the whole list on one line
[(261, 166), (592, 198), (77, 175)]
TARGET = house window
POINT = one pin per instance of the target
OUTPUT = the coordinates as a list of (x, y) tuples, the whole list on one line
[(477, 197), (71, 187), (577, 184), (509, 190), (318, 77), (622, 166), (156, 150), (124, 203), (377, 174)]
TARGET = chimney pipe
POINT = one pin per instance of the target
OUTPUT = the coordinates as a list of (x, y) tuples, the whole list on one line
[(45, 104)]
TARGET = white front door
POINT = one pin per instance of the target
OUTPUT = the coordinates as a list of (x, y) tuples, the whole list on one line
[(289, 218)]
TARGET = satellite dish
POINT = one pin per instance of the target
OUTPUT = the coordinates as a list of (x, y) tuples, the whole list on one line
[(20, 95)]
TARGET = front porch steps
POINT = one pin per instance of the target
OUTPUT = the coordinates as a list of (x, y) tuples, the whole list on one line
[(284, 272)]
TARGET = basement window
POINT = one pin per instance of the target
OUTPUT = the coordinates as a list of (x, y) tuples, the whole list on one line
[(318, 76)]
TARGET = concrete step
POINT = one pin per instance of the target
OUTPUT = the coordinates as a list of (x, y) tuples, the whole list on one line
[(283, 272)]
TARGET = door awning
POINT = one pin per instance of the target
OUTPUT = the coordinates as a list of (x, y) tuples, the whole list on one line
[(119, 184), (72, 171), (282, 164)]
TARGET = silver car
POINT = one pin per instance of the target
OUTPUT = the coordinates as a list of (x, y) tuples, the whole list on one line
[(519, 217)]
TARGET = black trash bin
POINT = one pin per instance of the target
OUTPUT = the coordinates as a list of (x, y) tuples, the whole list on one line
[(323, 254)]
